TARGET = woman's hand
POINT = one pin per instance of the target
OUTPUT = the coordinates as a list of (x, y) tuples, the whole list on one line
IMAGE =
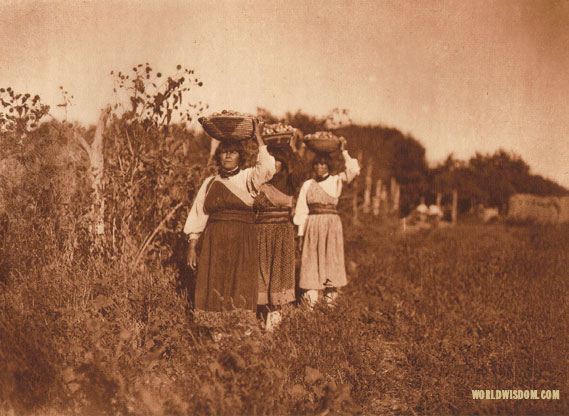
[(302, 149), (292, 143), (192, 256), (296, 141), (343, 143), (259, 126)]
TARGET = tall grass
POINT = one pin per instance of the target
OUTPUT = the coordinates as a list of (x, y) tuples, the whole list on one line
[(426, 318)]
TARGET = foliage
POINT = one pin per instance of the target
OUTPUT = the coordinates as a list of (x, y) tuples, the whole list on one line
[(483, 179), (154, 100), (393, 155), (45, 179), (423, 321), (489, 180), (20, 112), (152, 165), (67, 100), (19, 115)]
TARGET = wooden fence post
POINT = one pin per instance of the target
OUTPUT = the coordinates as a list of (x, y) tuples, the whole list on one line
[(392, 186), (97, 169), (396, 196), (384, 200), (376, 198), (355, 199), (454, 213), (355, 203), (367, 189)]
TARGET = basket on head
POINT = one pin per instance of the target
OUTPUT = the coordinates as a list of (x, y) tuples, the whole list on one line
[(279, 139), (278, 134), (229, 125), (322, 142)]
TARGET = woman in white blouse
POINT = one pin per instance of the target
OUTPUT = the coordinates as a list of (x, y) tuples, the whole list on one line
[(321, 239), (227, 267)]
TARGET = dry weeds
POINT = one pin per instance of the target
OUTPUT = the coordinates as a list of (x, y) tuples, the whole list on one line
[(425, 319)]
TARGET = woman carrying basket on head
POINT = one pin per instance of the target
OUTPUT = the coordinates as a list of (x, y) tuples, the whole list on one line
[(275, 232), (321, 239), (227, 266)]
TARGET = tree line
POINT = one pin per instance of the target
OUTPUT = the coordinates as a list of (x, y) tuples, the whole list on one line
[(123, 187), (487, 179)]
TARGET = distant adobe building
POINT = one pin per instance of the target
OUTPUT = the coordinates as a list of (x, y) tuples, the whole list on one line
[(538, 209)]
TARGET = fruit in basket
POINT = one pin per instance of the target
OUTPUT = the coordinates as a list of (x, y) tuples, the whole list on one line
[(278, 128), (322, 141), (278, 133), (229, 125)]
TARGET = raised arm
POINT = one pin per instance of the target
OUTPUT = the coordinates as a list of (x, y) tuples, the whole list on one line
[(352, 165), (264, 168)]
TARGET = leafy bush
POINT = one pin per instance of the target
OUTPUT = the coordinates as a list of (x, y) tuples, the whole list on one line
[(152, 166)]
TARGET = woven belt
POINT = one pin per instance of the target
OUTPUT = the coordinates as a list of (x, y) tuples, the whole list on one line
[(318, 209), (247, 217), (273, 216)]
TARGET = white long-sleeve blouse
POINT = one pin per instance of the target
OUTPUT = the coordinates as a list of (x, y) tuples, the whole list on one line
[(248, 180), (332, 185)]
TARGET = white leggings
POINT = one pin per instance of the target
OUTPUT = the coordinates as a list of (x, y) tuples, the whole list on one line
[(311, 296)]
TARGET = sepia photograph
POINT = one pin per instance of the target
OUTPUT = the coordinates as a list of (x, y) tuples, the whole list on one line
[(267, 207)]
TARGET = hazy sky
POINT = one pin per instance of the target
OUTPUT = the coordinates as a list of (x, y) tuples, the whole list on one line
[(460, 76)]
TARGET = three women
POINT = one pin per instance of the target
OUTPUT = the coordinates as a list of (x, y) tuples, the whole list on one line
[(247, 255)]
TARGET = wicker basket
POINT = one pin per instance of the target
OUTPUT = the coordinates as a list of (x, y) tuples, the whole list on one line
[(278, 138), (229, 127), (322, 144)]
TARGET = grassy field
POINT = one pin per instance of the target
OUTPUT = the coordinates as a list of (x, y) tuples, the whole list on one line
[(426, 318)]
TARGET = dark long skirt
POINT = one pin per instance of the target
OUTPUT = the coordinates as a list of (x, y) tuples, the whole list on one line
[(227, 267)]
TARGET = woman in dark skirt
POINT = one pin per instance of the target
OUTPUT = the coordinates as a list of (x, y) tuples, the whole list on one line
[(227, 267)]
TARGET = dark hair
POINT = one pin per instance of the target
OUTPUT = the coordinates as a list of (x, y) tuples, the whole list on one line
[(322, 158), (282, 154), (228, 146)]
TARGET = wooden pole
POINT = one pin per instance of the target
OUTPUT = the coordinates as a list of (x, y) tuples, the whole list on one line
[(377, 198), (392, 186), (396, 197), (383, 198), (97, 169), (367, 189), (439, 198), (355, 202), (355, 198), (454, 206)]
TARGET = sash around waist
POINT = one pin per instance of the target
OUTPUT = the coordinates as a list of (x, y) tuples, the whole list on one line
[(317, 209), (273, 216), (247, 217)]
